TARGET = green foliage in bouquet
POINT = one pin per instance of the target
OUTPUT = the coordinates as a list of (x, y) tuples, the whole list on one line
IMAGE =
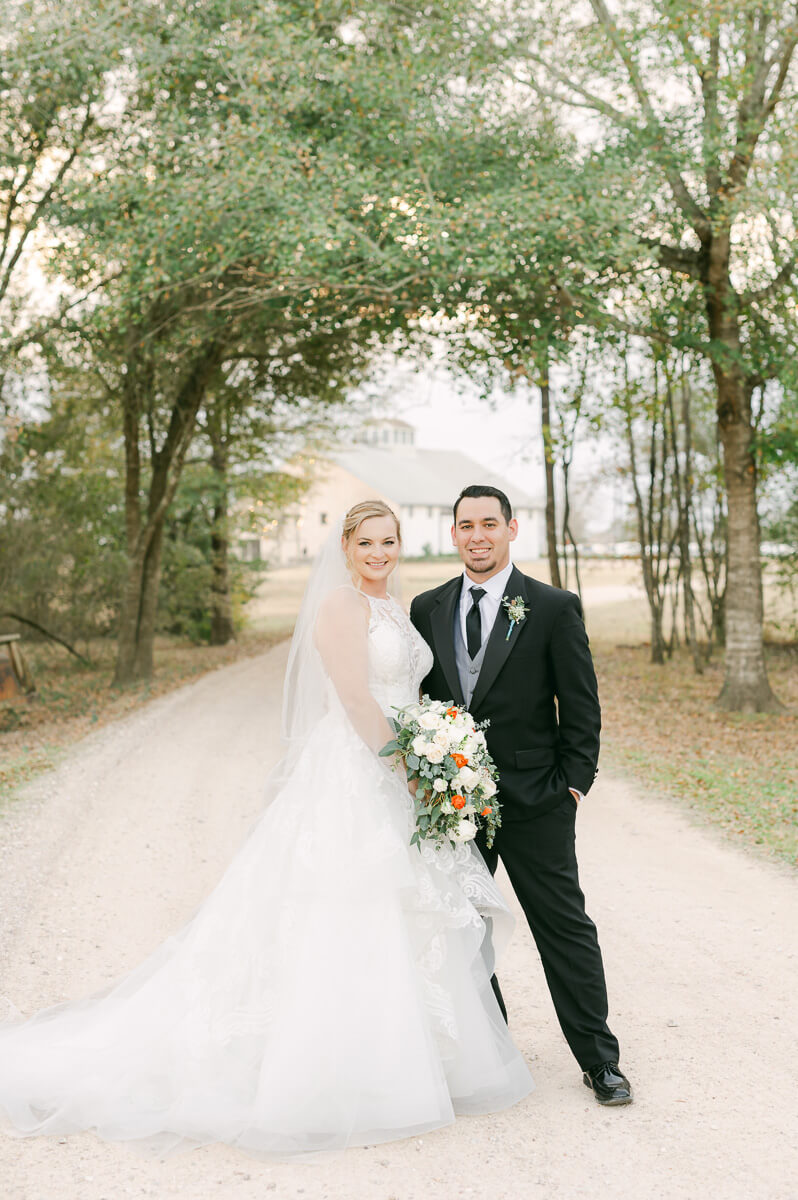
[(445, 751)]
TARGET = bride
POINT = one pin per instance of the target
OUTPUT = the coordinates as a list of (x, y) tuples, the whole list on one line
[(334, 989)]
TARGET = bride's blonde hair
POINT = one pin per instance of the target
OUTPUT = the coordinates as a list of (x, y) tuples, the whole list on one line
[(361, 512)]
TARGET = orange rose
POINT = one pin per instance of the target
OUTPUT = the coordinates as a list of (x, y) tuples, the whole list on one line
[(451, 712), (487, 810), (458, 801), (460, 760)]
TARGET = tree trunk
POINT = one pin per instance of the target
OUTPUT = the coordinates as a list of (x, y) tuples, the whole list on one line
[(720, 555), (746, 687), (690, 631), (140, 598), (653, 531), (127, 638), (548, 461), (148, 606), (683, 482), (134, 658), (712, 562), (567, 532), (139, 609), (719, 618), (129, 609), (651, 580), (222, 628)]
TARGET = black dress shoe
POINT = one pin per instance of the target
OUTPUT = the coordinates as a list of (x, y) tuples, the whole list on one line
[(609, 1085)]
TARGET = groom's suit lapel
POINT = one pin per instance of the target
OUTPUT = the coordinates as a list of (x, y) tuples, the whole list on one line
[(442, 625), (500, 646)]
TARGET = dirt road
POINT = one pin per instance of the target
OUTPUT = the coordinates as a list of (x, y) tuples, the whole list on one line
[(102, 858)]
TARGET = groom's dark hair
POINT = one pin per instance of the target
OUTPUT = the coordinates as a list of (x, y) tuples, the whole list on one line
[(475, 490)]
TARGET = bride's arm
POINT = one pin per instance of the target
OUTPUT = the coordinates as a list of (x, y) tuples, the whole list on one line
[(342, 640)]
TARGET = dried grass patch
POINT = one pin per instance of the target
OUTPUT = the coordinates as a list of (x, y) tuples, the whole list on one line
[(740, 771)]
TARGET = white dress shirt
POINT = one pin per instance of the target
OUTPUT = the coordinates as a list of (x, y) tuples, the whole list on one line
[(489, 604), (488, 611)]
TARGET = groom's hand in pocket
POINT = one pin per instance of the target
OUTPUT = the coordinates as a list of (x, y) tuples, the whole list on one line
[(576, 795)]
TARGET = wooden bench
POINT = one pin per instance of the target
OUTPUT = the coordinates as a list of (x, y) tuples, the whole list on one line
[(15, 677)]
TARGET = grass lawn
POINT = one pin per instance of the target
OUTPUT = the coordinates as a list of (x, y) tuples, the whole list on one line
[(739, 772)]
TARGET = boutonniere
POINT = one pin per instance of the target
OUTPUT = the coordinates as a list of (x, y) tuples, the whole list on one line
[(516, 611)]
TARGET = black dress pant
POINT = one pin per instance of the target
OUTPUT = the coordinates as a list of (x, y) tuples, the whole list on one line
[(539, 856)]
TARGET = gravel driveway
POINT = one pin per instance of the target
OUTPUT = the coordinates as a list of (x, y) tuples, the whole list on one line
[(102, 858)]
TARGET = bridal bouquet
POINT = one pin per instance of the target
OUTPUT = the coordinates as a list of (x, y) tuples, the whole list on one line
[(445, 750)]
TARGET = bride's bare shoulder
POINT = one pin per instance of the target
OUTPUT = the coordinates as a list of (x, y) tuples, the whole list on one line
[(343, 607)]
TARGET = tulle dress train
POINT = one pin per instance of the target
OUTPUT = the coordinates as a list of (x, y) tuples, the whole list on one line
[(333, 990)]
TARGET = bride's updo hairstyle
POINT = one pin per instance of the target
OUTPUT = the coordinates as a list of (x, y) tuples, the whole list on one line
[(361, 512)]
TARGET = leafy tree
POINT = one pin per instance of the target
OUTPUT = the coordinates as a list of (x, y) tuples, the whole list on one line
[(207, 199), (273, 400), (200, 597), (689, 105), (654, 411), (56, 87), (259, 176), (61, 520)]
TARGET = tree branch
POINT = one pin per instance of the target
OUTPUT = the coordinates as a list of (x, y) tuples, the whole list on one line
[(676, 258), (782, 276), (43, 201), (788, 49), (601, 317), (709, 91), (756, 107), (13, 198), (681, 193), (589, 99), (607, 23), (38, 331), (52, 636)]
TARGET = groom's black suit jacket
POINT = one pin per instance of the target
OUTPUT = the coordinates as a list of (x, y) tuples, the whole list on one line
[(537, 688)]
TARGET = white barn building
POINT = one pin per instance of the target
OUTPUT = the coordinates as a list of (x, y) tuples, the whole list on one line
[(419, 484)]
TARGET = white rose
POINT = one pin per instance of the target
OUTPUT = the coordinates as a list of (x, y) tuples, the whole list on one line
[(439, 785), (467, 778), (428, 720), (465, 831), (433, 753), (489, 788), (419, 745), (441, 738)]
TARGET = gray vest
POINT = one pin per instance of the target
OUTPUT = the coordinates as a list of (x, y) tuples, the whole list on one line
[(468, 669)]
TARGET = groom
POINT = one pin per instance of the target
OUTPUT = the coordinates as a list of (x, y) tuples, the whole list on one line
[(515, 651)]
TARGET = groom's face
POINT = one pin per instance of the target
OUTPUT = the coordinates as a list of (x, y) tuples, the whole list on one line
[(482, 536)]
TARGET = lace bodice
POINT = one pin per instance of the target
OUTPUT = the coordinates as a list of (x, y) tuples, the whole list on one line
[(399, 658)]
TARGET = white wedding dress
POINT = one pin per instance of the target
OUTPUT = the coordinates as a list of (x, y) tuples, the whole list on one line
[(333, 989)]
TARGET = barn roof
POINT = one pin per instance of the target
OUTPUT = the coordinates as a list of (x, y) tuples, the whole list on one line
[(411, 475)]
